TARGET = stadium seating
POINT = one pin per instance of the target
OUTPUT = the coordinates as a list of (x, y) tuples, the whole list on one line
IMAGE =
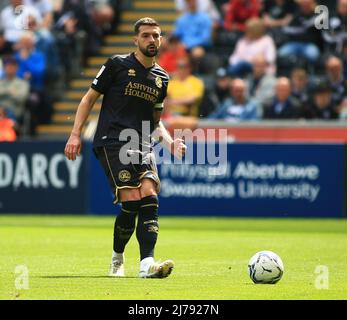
[(118, 43)]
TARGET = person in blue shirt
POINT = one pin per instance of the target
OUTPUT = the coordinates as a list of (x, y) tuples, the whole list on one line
[(194, 29), (283, 105), (237, 107), (32, 67), (31, 62)]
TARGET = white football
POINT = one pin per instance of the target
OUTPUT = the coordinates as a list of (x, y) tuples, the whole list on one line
[(265, 267)]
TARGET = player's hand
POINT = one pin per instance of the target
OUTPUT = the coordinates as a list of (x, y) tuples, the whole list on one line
[(73, 147), (178, 148)]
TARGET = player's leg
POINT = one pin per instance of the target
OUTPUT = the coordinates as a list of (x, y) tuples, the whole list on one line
[(147, 232), (125, 222), (147, 226), (125, 188), (124, 228)]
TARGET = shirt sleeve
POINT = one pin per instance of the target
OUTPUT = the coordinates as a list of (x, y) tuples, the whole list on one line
[(159, 106), (104, 78), (164, 91)]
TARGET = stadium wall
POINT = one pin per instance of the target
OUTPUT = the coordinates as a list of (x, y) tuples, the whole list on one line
[(254, 179)]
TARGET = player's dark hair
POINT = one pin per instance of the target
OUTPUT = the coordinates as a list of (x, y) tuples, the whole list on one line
[(145, 22)]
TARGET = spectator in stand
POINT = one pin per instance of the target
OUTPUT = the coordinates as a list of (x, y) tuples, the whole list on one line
[(207, 6), (46, 43), (184, 93), (334, 74), (336, 34), (344, 58), (283, 105), (31, 62), (74, 17), (14, 91), (194, 29), (45, 8), (102, 14), (87, 16), (222, 5), (322, 105), (15, 15), (304, 39), (222, 86), (71, 45), (7, 127), (5, 47), (116, 6), (300, 82), (216, 93), (32, 67), (261, 85), (238, 12), (237, 107), (172, 51), (277, 14), (80, 26), (253, 44)]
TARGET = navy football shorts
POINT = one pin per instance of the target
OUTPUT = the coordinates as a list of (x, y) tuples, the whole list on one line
[(126, 168)]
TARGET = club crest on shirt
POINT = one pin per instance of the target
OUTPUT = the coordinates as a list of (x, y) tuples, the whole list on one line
[(124, 176), (131, 73), (158, 82)]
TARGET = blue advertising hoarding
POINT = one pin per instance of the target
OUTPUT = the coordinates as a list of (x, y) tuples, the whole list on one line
[(35, 177), (261, 180), (265, 180)]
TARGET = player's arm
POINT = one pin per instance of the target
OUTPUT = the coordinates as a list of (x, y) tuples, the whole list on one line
[(177, 146), (73, 145)]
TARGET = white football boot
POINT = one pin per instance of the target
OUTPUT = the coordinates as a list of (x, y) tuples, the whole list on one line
[(117, 265), (151, 269)]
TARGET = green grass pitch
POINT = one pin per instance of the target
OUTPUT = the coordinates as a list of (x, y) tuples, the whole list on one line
[(68, 258)]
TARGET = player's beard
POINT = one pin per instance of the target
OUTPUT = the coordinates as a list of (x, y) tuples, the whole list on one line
[(150, 51)]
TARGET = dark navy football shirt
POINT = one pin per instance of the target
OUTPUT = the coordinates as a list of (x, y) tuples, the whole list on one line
[(131, 94)]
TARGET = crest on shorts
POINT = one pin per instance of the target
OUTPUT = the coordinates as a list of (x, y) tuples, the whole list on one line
[(124, 176), (131, 73), (158, 82)]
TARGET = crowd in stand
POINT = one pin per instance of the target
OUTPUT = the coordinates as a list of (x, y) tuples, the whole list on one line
[(231, 60), (44, 44), (257, 59)]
